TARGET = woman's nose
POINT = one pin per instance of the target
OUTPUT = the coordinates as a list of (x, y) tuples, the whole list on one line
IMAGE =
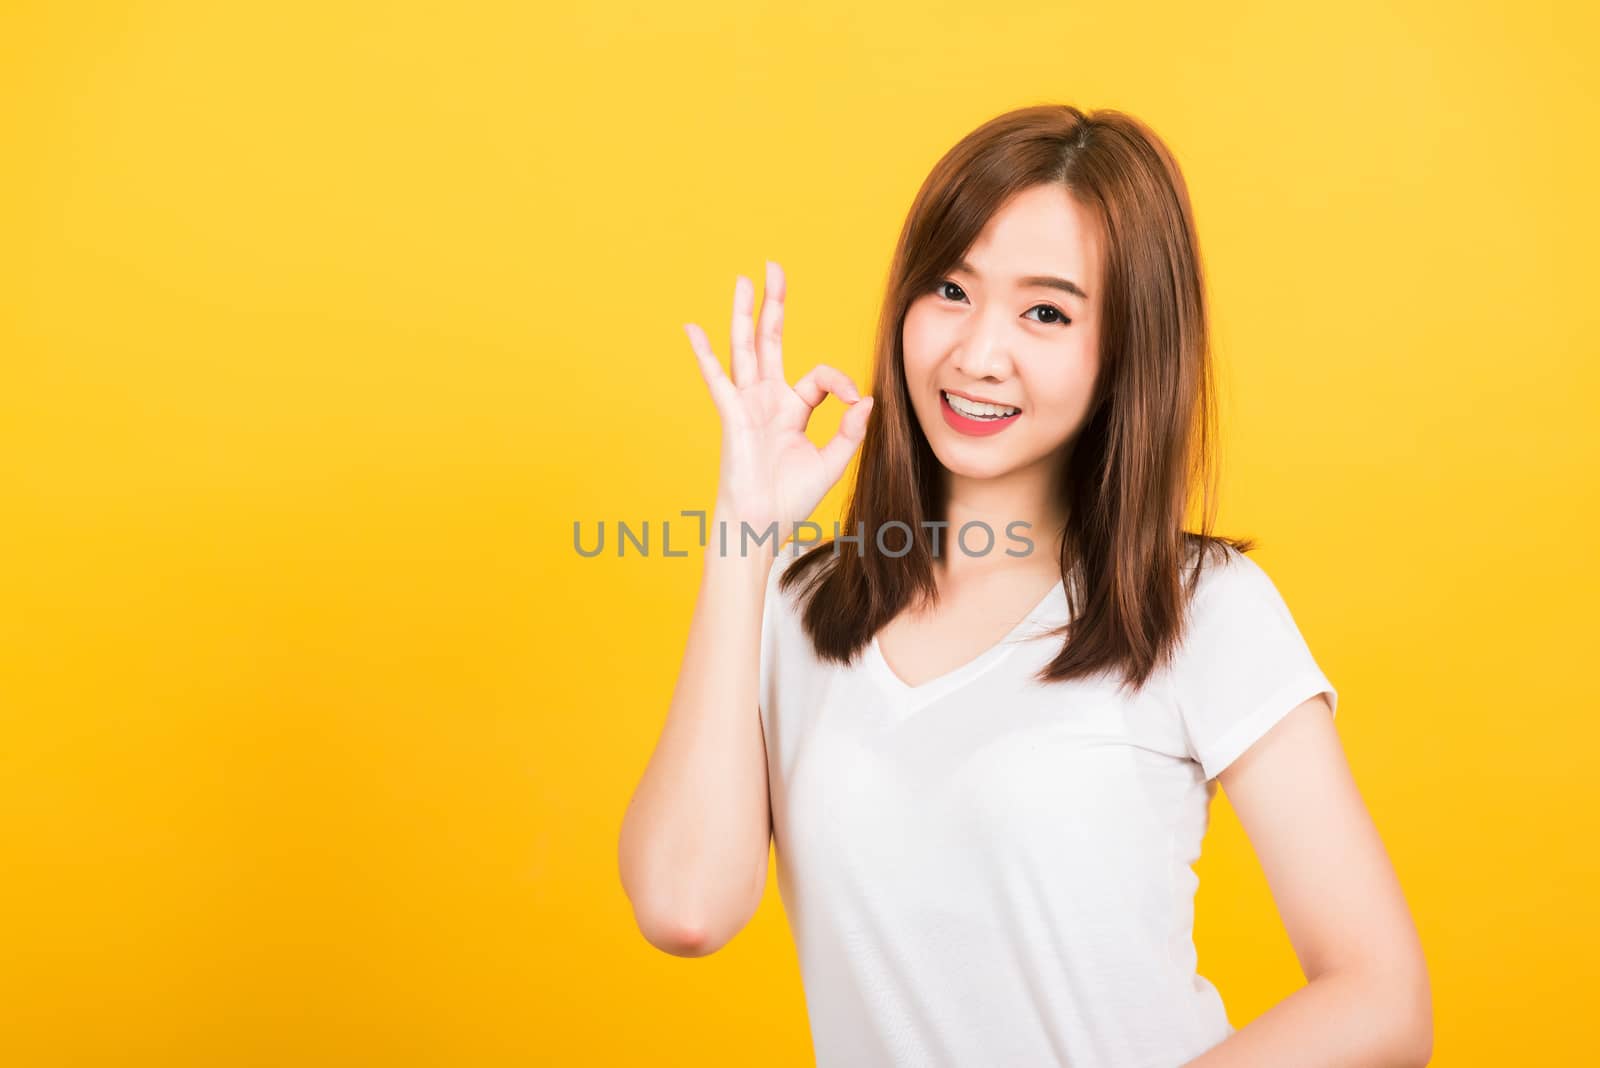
[(981, 357)]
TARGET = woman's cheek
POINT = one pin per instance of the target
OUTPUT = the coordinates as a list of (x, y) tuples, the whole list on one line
[(915, 338)]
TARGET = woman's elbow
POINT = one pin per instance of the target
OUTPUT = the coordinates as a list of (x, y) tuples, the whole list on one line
[(1414, 1028), (682, 936), (679, 940)]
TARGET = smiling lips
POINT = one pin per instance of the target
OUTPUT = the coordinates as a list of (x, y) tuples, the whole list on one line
[(974, 426)]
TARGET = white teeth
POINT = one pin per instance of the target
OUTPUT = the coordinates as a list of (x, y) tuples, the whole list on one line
[(981, 411)]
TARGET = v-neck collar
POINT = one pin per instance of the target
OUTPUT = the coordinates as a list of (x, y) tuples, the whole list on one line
[(914, 697)]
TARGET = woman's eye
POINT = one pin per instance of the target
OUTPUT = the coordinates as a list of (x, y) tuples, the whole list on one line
[(944, 285), (1053, 310)]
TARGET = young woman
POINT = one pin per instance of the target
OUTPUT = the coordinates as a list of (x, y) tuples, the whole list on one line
[(983, 723)]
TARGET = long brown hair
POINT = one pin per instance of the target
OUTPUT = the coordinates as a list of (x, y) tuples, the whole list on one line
[(1127, 563)]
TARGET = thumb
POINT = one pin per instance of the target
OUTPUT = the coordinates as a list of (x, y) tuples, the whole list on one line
[(852, 428)]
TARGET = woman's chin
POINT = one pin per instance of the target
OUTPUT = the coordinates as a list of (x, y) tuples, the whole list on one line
[(961, 463)]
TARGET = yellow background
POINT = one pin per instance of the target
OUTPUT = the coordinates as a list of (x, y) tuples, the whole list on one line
[(322, 323)]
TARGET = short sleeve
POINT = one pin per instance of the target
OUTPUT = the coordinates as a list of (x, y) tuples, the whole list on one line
[(1242, 664)]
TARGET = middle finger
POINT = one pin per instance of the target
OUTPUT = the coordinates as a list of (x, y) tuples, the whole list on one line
[(769, 339)]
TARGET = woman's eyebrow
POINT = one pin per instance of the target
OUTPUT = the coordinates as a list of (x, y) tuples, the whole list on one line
[(1049, 281)]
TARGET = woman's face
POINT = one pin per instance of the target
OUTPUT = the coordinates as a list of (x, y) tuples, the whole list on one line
[(998, 330)]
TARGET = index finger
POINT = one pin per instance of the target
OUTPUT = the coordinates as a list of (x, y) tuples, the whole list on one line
[(822, 380)]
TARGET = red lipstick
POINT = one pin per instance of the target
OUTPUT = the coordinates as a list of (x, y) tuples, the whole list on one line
[(973, 427)]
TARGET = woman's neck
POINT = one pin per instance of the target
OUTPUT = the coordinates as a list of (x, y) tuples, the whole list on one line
[(1016, 509)]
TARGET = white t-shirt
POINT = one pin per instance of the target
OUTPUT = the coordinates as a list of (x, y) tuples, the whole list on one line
[(986, 871)]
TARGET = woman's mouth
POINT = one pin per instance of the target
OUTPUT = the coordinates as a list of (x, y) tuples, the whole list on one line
[(974, 419)]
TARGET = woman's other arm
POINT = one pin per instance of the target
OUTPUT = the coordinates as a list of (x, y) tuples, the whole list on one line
[(1367, 1002)]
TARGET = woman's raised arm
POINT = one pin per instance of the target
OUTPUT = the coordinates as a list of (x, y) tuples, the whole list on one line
[(692, 852)]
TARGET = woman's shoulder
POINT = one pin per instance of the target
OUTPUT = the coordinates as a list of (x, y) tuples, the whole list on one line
[(1226, 578)]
